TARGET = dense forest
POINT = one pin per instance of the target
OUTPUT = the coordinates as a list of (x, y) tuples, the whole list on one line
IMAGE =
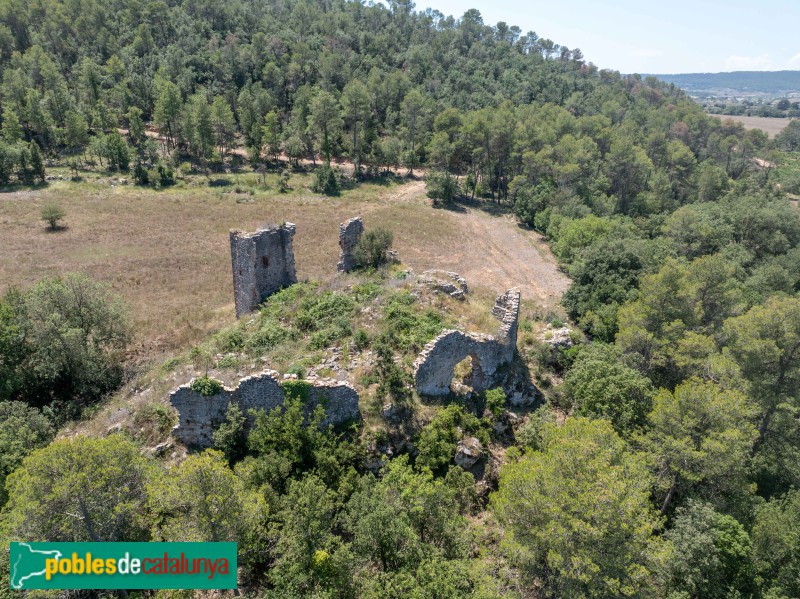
[(664, 459)]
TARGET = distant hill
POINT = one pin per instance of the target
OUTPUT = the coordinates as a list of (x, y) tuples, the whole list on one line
[(737, 83)]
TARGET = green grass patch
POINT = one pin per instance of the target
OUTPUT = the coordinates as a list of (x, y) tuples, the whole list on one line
[(411, 327)]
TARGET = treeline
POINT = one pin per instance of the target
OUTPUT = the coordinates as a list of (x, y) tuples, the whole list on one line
[(780, 109), (519, 117), (379, 86)]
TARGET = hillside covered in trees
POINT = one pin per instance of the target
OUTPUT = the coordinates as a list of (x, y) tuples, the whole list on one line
[(662, 458)]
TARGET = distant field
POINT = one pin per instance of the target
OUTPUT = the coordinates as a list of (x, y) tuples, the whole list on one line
[(771, 126), (167, 252)]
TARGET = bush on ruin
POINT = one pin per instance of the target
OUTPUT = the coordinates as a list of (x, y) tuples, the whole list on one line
[(371, 251)]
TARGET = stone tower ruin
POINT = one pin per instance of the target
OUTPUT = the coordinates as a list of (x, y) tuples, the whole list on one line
[(349, 235), (263, 263)]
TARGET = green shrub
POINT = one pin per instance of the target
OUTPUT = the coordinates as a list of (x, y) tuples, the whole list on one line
[(231, 435), (52, 214), (269, 333), (364, 292), (394, 382), (339, 329), (441, 187), (206, 386), (496, 401), (361, 339), (325, 181), (298, 370), (62, 343), (164, 176), (529, 434), (116, 152), (231, 340), (283, 181), (600, 385), (140, 174), (437, 442), (371, 250), (35, 168), (319, 312), (230, 361), (22, 429), (154, 421)]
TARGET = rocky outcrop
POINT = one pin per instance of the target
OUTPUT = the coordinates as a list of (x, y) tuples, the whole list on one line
[(558, 339), (349, 236), (468, 452), (262, 263), (199, 415), (433, 369)]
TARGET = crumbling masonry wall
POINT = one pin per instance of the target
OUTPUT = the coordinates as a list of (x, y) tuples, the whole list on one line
[(349, 235), (199, 416), (433, 369), (262, 263)]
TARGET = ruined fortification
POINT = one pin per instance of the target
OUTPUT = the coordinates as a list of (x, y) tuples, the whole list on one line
[(441, 281), (199, 415), (433, 369), (263, 263), (349, 235)]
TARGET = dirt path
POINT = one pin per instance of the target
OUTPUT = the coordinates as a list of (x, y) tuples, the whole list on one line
[(510, 256), (491, 251)]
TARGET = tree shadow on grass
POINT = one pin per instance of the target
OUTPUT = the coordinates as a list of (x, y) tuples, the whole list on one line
[(24, 187), (451, 207), (490, 207)]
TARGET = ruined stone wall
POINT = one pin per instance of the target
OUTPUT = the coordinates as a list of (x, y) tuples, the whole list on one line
[(339, 399), (506, 310), (199, 416), (349, 235), (451, 283), (262, 263), (433, 369)]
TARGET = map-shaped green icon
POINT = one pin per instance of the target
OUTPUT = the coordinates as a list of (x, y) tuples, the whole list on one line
[(28, 563)]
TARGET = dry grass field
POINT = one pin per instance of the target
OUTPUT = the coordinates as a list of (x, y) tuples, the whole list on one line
[(771, 126), (167, 253)]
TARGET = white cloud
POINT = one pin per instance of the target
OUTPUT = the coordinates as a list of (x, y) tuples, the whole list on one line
[(748, 63), (794, 61)]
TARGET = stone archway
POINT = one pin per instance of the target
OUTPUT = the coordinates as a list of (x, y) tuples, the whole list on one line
[(433, 369), (436, 369)]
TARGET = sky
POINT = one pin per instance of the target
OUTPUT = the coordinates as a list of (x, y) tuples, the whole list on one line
[(664, 37)]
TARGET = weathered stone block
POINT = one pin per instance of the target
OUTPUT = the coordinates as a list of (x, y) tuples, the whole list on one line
[(468, 452), (262, 263)]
